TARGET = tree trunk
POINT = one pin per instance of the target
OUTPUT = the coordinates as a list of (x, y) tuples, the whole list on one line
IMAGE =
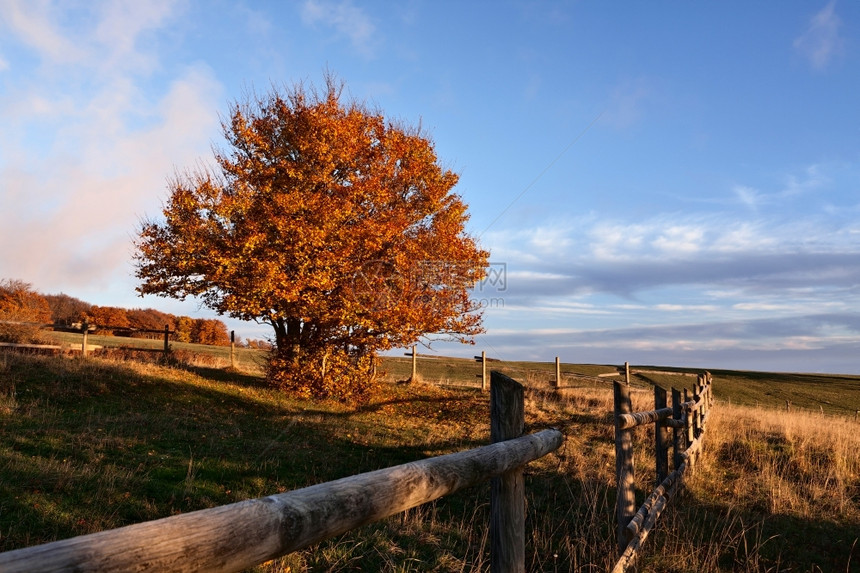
[(288, 333)]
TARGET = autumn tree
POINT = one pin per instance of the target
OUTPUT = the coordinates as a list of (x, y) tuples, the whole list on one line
[(22, 312), (258, 344), (150, 319), (184, 328), (328, 222), (107, 319), (67, 310), (210, 331)]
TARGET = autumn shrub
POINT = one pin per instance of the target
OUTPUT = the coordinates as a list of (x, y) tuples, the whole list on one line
[(324, 373), (22, 311)]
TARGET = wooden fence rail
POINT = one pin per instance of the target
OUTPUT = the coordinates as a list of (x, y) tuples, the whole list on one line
[(241, 535), (686, 419), (85, 329)]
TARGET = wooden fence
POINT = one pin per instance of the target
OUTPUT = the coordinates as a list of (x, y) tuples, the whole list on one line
[(485, 361), (241, 535), (85, 330), (686, 419)]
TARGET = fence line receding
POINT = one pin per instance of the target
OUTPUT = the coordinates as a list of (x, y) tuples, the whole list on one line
[(685, 420)]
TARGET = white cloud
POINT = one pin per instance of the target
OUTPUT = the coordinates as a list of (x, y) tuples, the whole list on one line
[(747, 196), (84, 206), (533, 275), (796, 185), (101, 36), (33, 21), (820, 42), (549, 239), (686, 307), (88, 147), (680, 239), (812, 178), (347, 20), (663, 237), (745, 237), (122, 23), (616, 240)]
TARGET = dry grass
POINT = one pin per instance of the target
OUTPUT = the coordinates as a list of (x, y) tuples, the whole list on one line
[(90, 445), (775, 491), (805, 465)]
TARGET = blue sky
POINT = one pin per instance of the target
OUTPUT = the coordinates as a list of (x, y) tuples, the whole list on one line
[(666, 183)]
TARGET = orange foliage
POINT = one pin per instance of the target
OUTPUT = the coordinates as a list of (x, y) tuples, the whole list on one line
[(331, 224), (106, 317), (210, 331), (67, 310), (150, 319), (22, 310), (184, 328), (258, 344)]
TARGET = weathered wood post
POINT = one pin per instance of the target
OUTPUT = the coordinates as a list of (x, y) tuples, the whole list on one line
[(233, 349), (625, 506), (557, 373), (677, 436), (414, 376), (661, 436), (627, 373), (166, 340), (688, 420), (697, 412), (86, 328), (507, 492), (483, 371)]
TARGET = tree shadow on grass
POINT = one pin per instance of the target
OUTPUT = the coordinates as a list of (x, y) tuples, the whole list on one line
[(95, 445), (727, 537), (227, 375)]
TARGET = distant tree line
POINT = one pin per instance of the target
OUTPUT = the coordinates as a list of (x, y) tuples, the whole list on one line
[(20, 303)]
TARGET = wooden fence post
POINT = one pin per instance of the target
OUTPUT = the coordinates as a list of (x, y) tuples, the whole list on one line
[(661, 437), (688, 422), (627, 373), (507, 492), (677, 445), (697, 413), (414, 377), (84, 343), (557, 373), (166, 342), (483, 371), (233, 349), (625, 506)]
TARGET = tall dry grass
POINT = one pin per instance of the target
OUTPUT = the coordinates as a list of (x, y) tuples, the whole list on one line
[(774, 491), (801, 464)]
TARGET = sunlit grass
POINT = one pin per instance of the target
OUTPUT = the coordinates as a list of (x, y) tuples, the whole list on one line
[(94, 444)]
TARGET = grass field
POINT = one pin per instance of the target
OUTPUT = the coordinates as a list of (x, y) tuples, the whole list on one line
[(247, 359), (94, 444)]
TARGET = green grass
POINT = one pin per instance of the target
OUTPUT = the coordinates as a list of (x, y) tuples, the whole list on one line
[(247, 359), (830, 393), (94, 444), (834, 394)]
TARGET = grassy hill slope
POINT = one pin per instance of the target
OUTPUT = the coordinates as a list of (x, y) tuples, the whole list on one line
[(96, 444)]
